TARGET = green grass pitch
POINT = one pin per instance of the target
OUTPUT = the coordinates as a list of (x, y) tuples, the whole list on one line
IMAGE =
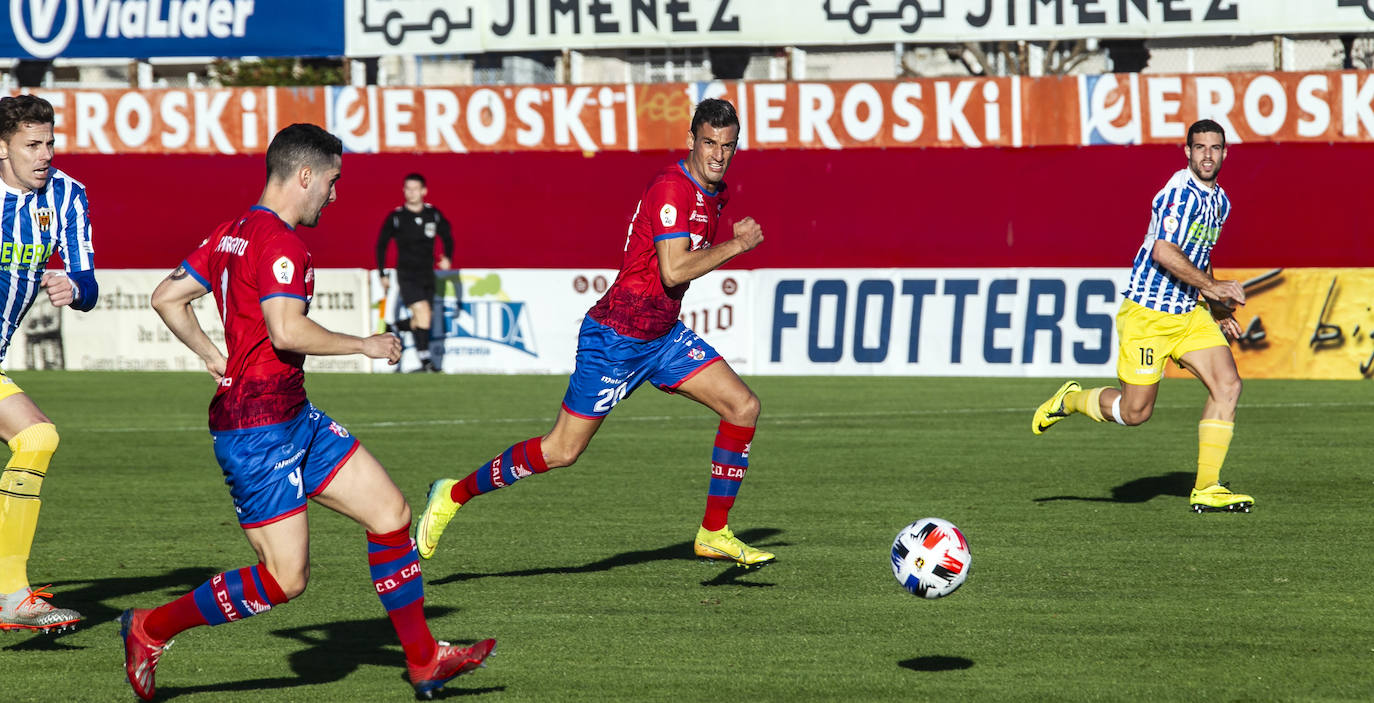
[(1091, 579)]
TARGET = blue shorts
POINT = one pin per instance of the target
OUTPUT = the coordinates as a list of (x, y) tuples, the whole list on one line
[(610, 366), (272, 470)]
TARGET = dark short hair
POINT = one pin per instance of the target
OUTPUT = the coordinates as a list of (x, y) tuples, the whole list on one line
[(298, 146), (418, 178), (715, 112), (15, 111), (1206, 126)]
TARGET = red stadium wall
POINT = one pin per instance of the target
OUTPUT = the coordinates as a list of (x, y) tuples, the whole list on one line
[(1296, 205)]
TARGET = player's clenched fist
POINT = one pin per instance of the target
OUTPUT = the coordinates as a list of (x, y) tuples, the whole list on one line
[(59, 288), (749, 233), (383, 346)]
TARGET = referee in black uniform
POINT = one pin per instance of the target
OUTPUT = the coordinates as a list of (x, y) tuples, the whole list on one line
[(414, 226)]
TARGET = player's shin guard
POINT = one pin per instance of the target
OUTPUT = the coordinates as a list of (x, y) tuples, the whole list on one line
[(20, 485), (1087, 402), (518, 461), (395, 566), (232, 595), (729, 462), (1213, 441)]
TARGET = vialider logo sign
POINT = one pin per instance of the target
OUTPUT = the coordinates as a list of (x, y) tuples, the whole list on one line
[(44, 15), (123, 19)]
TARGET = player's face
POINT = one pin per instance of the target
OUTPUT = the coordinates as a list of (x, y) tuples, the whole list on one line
[(1205, 155), (28, 156), (321, 192), (712, 150), (414, 193)]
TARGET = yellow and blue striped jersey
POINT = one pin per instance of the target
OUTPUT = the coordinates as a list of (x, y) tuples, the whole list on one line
[(33, 225), (1190, 215)]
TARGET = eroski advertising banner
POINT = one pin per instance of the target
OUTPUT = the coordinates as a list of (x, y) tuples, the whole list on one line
[(377, 27), (45, 29), (1122, 109)]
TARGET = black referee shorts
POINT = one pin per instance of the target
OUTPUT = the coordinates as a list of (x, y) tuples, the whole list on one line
[(415, 286)]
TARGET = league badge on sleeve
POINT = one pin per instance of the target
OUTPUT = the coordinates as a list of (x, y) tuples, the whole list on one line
[(1170, 224), (283, 270), (668, 215)]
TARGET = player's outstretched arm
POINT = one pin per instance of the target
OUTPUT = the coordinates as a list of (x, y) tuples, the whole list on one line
[(290, 330), (1229, 293), (678, 265), (172, 301)]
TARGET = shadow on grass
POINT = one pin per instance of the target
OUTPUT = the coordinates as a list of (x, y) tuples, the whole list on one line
[(936, 663), (672, 552), (1177, 483), (333, 651), (102, 600)]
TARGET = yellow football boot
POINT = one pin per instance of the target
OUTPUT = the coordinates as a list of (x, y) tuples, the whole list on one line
[(1053, 410), (439, 510), (1217, 498), (722, 544)]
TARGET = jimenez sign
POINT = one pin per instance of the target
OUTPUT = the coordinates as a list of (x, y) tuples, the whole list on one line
[(377, 27), (45, 29), (1121, 109)]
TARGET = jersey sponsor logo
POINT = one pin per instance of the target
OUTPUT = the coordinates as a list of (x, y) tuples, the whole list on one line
[(1205, 233), (1170, 224), (698, 217), (232, 245), (283, 270), (668, 215), (42, 218), (15, 253)]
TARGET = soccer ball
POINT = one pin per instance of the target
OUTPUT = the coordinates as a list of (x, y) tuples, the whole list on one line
[(930, 558)]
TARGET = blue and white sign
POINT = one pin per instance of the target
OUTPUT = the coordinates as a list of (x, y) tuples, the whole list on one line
[(46, 29)]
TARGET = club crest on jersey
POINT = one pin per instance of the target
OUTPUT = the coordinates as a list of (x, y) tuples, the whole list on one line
[(697, 354), (668, 215), (42, 217), (430, 230), (338, 429), (283, 270)]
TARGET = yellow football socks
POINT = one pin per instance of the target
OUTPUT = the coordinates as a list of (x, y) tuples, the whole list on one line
[(1213, 439), (1086, 402), (19, 487)]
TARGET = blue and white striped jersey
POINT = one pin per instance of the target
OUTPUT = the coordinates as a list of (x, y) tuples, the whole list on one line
[(1189, 215), (32, 226)]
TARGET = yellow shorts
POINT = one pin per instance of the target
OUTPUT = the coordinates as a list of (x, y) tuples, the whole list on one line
[(1148, 337), (8, 387)]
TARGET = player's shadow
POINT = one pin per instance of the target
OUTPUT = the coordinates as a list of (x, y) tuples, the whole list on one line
[(936, 663), (1176, 483), (333, 651), (672, 552), (102, 600)]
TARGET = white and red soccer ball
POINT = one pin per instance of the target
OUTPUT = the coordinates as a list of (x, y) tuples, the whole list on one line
[(930, 558)]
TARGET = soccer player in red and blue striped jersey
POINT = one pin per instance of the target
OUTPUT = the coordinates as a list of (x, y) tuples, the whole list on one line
[(1160, 319), (42, 210), (277, 449), (633, 335)]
